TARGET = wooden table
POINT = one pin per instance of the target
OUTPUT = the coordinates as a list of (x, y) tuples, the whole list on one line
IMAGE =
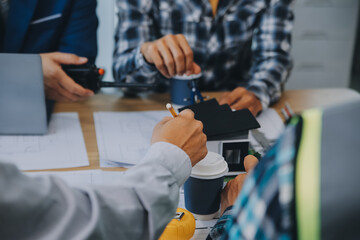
[(115, 101)]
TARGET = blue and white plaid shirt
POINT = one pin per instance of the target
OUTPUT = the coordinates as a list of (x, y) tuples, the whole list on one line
[(265, 208), (246, 44)]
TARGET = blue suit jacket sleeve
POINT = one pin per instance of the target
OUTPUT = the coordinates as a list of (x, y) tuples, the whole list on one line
[(79, 35)]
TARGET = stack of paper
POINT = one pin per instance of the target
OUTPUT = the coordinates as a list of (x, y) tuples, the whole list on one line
[(271, 128), (124, 137), (62, 147)]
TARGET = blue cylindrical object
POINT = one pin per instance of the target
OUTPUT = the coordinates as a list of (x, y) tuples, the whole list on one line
[(202, 196), (181, 91)]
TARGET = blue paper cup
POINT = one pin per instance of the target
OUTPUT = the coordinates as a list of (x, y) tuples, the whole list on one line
[(181, 90), (203, 188)]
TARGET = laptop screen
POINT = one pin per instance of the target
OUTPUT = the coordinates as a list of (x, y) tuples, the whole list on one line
[(22, 97)]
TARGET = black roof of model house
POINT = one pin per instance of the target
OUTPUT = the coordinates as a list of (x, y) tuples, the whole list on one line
[(220, 122)]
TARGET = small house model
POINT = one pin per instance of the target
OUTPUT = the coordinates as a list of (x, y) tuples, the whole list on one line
[(227, 131)]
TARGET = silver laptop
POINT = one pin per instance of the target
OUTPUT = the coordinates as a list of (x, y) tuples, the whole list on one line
[(22, 98)]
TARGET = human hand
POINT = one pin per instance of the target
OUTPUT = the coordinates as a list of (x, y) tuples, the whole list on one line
[(58, 85), (185, 132), (241, 98), (232, 189), (171, 55)]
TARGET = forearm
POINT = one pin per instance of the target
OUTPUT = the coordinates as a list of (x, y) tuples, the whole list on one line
[(135, 26), (271, 52), (132, 67), (139, 207)]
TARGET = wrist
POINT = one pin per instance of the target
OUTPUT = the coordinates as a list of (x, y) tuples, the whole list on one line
[(143, 50)]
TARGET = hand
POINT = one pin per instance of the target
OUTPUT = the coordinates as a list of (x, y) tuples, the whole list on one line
[(241, 98), (185, 132), (171, 55), (58, 85), (232, 189)]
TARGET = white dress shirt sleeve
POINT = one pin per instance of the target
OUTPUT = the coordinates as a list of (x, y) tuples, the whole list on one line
[(139, 207)]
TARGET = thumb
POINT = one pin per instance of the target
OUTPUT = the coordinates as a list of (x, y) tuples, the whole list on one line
[(250, 162), (196, 68), (67, 58)]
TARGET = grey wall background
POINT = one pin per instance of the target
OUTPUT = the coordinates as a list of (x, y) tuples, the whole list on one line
[(106, 14)]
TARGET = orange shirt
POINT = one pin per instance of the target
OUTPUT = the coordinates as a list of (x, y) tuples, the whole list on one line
[(214, 4)]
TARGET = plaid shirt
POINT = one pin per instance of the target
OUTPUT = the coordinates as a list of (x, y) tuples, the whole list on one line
[(246, 44), (265, 208)]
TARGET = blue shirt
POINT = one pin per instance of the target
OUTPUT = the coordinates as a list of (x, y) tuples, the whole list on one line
[(246, 44)]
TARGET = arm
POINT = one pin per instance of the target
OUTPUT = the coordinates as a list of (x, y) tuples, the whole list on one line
[(142, 53), (139, 207), (271, 52), (271, 60), (79, 36), (135, 26), (265, 207)]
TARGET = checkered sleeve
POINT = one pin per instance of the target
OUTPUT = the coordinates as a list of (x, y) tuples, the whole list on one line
[(271, 51), (135, 26)]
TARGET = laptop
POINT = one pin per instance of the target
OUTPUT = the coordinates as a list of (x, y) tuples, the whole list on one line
[(22, 97)]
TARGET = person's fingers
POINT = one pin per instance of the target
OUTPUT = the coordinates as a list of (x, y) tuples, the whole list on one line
[(159, 61), (167, 57), (234, 95), (244, 102), (187, 113), (223, 99), (166, 119), (250, 101), (250, 162), (67, 58), (188, 53), (177, 53), (66, 95), (54, 95), (72, 87), (196, 68), (252, 110)]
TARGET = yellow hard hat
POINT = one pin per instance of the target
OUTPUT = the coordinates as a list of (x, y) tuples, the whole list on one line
[(182, 227)]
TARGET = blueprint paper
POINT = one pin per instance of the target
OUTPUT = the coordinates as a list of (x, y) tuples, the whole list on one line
[(62, 147), (124, 137)]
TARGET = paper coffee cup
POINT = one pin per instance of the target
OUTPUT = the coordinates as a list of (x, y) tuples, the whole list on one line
[(202, 190)]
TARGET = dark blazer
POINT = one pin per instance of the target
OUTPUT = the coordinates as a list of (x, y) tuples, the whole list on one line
[(38, 26)]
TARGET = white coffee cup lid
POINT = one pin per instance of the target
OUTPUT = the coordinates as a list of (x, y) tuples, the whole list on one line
[(186, 77), (211, 167)]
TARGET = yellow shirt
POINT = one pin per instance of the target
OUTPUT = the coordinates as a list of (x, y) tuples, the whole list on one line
[(214, 4)]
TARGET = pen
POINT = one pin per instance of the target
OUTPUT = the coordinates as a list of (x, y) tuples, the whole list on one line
[(171, 109), (288, 108)]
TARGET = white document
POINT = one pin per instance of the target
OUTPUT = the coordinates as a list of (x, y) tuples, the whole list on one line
[(62, 147), (85, 177), (124, 137), (271, 126)]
